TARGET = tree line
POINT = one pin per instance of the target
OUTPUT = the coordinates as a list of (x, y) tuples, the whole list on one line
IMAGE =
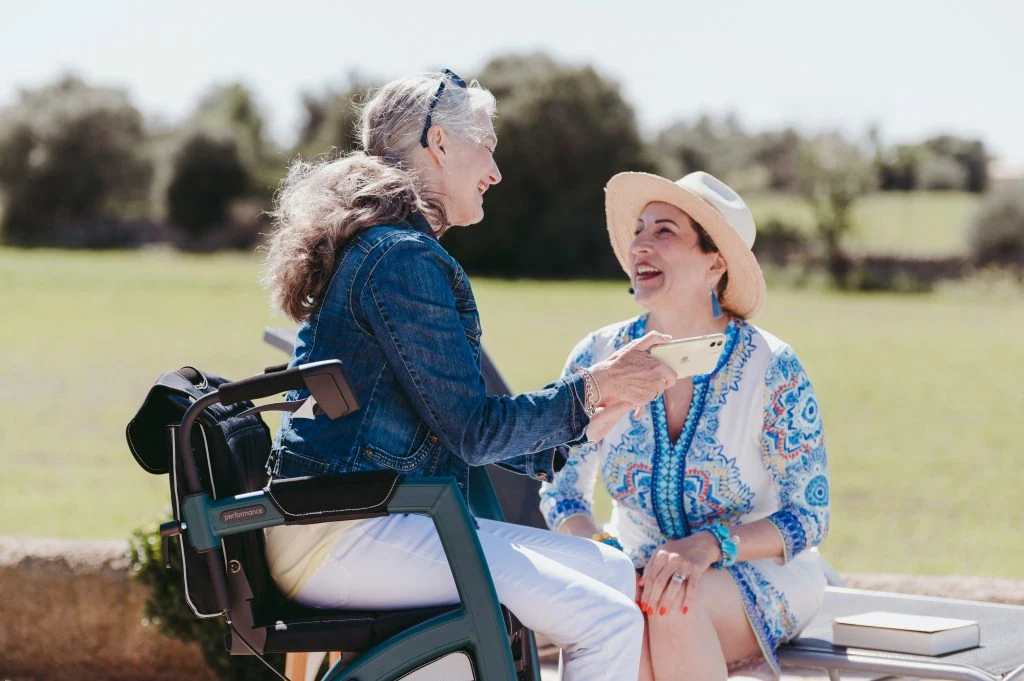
[(81, 167)]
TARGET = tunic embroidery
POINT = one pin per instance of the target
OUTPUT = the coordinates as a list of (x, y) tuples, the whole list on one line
[(711, 489)]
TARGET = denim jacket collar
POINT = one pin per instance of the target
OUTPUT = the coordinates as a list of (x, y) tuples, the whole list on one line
[(419, 223)]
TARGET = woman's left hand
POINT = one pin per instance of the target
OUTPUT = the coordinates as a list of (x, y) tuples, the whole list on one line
[(690, 557)]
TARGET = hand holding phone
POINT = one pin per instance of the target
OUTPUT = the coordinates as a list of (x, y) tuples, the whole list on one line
[(691, 356)]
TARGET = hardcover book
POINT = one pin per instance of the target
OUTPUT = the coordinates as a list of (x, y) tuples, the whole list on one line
[(901, 633)]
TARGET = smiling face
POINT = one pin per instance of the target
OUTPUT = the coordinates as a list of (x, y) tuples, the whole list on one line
[(669, 268), (469, 171)]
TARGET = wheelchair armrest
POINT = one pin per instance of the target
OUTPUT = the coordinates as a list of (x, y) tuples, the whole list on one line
[(323, 498), (325, 380), (327, 498)]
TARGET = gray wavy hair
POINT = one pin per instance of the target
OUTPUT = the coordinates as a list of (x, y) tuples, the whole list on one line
[(323, 203)]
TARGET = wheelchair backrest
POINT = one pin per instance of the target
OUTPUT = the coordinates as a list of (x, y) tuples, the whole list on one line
[(231, 450)]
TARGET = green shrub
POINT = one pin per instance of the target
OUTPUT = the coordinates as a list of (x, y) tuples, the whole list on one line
[(996, 231), (778, 241), (207, 175), (166, 608)]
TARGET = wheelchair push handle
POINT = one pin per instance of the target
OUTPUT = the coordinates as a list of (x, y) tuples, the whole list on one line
[(255, 387), (325, 381)]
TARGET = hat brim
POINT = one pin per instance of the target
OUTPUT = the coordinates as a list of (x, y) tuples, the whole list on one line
[(626, 195)]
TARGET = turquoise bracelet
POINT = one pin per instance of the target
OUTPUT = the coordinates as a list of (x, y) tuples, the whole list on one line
[(614, 543), (610, 540), (726, 543)]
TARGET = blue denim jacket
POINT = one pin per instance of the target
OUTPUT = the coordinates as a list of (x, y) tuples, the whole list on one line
[(400, 314)]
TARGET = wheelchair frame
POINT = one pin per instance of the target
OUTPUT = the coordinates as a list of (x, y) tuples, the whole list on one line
[(476, 626)]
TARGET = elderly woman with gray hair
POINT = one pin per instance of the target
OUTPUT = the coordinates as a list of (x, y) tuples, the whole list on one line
[(356, 260)]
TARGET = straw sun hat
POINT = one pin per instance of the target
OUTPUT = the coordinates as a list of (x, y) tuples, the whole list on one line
[(709, 202)]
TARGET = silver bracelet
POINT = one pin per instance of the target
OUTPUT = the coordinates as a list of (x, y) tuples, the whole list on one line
[(589, 388), (597, 387)]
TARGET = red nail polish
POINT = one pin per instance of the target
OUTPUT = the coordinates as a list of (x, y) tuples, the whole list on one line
[(685, 610), (663, 611), (650, 610), (643, 606)]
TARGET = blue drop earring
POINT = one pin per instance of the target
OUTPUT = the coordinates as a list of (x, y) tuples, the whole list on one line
[(716, 307)]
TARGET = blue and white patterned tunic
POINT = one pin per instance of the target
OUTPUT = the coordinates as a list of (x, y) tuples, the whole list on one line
[(751, 448)]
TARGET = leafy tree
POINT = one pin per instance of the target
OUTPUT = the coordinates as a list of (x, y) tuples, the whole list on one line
[(70, 158), (231, 111), (718, 146), (898, 168), (833, 175), (207, 174), (969, 154), (563, 131), (219, 172), (779, 153), (330, 124), (722, 147), (942, 173)]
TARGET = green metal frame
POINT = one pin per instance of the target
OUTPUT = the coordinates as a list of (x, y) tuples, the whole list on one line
[(484, 502), (476, 626)]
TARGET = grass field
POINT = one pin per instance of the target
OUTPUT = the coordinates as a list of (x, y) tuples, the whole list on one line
[(914, 224), (922, 395)]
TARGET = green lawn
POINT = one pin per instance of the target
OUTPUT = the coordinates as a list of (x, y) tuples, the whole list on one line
[(922, 395), (914, 223)]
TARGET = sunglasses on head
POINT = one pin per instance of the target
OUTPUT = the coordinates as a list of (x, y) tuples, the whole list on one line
[(446, 75)]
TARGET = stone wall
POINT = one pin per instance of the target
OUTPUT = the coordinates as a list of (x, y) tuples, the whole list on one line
[(68, 610), (991, 589)]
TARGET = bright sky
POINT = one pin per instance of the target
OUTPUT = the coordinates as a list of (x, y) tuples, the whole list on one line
[(915, 67)]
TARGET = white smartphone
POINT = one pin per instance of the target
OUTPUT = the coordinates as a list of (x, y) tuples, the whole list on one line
[(691, 356)]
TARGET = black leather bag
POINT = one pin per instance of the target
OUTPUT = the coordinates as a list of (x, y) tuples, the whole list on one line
[(231, 452)]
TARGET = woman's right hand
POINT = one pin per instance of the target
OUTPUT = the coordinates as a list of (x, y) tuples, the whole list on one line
[(607, 415), (632, 375)]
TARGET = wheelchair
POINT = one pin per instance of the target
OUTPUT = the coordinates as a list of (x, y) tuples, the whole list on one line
[(207, 435)]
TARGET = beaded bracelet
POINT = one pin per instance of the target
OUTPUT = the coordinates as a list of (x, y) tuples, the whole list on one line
[(726, 543), (605, 538)]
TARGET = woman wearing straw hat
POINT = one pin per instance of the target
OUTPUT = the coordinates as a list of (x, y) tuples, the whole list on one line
[(720, 485)]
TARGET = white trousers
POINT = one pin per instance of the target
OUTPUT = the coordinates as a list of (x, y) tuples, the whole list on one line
[(577, 593)]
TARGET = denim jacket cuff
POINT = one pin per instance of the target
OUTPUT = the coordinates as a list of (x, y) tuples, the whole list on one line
[(541, 466), (580, 419)]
